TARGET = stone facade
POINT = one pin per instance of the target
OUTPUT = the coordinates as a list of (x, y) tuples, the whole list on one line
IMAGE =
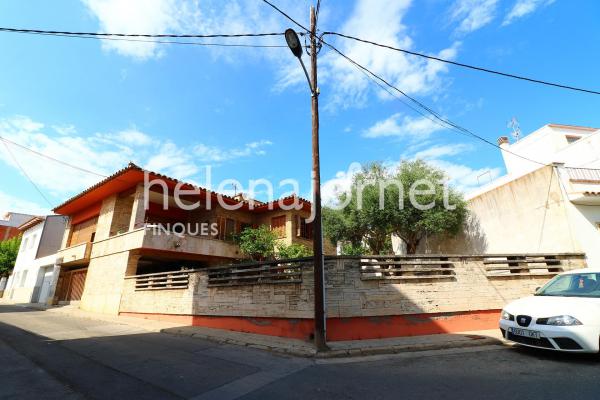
[(348, 295)]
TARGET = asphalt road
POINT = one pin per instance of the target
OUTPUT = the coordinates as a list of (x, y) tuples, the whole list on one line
[(51, 356)]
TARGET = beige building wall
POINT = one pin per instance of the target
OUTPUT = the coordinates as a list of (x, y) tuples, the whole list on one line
[(104, 282), (527, 215)]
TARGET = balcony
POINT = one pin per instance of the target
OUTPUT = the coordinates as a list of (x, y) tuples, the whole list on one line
[(75, 255), (150, 239), (584, 186)]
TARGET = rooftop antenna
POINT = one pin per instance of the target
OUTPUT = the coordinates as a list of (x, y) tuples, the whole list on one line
[(516, 129)]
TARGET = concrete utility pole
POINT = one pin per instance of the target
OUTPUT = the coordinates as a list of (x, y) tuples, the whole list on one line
[(319, 262)]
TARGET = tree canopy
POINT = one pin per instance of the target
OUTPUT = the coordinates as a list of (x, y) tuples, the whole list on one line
[(8, 255), (410, 201), (261, 244)]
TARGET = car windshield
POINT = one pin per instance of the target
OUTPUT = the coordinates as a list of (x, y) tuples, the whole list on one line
[(573, 285)]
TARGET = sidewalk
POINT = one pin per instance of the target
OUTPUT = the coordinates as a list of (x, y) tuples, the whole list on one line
[(354, 348)]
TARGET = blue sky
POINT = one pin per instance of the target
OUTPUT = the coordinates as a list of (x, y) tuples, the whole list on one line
[(246, 112)]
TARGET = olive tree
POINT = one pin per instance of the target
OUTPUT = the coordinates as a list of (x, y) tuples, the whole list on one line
[(410, 201)]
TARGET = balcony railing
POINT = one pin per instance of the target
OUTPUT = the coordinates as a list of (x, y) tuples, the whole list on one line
[(269, 272), (79, 253), (162, 280), (586, 175)]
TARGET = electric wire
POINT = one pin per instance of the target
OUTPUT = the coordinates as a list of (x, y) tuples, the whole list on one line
[(463, 65), (444, 122), (26, 174), (132, 37)]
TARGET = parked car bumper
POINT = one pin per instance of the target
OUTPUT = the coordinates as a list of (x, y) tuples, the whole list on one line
[(577, 339)]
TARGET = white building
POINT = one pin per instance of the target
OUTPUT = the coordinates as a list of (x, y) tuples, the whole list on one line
[(548, 202), (35, 275)]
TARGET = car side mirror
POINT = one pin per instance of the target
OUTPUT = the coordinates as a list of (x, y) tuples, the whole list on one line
[(537, 289)]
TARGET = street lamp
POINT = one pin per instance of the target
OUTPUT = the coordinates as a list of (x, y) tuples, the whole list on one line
[(293, 42), (291, 37)]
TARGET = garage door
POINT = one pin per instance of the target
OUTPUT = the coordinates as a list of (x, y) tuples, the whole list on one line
[(71, 285)]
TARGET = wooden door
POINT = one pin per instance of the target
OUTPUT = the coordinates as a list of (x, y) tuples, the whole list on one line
[(71, 285)]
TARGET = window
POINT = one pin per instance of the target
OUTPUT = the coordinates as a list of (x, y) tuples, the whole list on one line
[(24, 244), (32, 242), (305, 230), (23, 277), (278, 226), (83, 232), (573, 285), (572, 139), (227, 228), (245, 225)]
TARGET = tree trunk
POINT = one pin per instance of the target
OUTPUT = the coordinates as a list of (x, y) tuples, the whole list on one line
[(411, 246)]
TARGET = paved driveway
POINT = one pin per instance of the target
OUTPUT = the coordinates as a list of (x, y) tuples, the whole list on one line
[(48, 355)]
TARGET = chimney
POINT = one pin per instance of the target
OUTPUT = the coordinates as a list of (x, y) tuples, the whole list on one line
[(503, 141), (240, 197)]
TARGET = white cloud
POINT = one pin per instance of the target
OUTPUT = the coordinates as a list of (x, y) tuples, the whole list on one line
[(465, 178), (217, 154), (460, 176), (130, 136), (383, 23), (340, 183), (523, 8), (184, 16), (103, 153), (471, 15), (438, 151), (20, 205), (416, 127), (135, 16), (67, 129)]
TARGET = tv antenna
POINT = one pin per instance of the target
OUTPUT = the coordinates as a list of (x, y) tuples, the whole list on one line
[(516, 129)]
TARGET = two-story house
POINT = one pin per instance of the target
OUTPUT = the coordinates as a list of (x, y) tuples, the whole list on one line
[(124, 226), (35, 273)]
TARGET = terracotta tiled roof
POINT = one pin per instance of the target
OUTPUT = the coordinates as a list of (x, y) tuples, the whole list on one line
[(31, 223), (129, 176), (275, 204)]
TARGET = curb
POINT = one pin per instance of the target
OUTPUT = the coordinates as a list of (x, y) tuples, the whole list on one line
[(305, 351), (308, 352)]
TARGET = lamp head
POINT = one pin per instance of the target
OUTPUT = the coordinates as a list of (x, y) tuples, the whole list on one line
[(293, 42)]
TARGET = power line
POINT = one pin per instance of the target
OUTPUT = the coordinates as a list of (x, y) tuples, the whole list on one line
[(459, 64), (145, 35), (5, 141), (26, 175), (438, 118), (279, 10), (159, 41), (317, 12)]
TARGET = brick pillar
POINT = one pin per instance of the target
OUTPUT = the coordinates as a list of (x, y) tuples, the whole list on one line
[(138, 213), (105, 218)]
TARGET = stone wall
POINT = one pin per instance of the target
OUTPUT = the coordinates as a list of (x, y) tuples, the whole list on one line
[(348, 295), (104, 282)]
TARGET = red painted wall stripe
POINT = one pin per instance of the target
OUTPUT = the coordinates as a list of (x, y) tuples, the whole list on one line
[(356, 328)]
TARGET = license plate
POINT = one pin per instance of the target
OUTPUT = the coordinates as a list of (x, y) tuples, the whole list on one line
[(524, 333)]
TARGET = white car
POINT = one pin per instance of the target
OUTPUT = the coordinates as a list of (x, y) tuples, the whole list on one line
[(563, 315)]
